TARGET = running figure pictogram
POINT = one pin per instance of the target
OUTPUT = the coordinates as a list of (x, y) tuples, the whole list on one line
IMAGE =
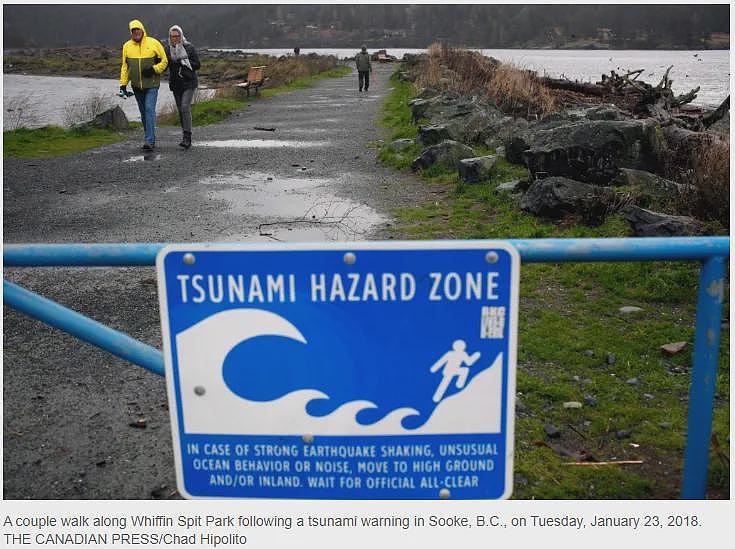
[(452, 362)]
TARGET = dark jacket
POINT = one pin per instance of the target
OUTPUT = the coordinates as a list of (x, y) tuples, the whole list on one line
[(180, 77), (362, 60)]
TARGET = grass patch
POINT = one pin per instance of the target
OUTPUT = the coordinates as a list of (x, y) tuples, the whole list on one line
[(55, 141), (303, 82), (575, 344)]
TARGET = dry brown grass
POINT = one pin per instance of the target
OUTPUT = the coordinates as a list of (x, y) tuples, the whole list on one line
[(516, 91), (286, 70), (706, 176)]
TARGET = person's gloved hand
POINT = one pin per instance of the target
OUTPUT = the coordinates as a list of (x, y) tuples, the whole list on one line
[(124, 92), (148, 71)]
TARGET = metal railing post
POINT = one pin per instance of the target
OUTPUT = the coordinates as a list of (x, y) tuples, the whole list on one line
[(84, 328), (704, 377)]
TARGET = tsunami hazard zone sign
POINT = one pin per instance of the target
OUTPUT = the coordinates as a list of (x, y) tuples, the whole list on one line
[(367, 370)]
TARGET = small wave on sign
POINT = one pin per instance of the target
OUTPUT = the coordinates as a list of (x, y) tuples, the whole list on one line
[(285, 410)]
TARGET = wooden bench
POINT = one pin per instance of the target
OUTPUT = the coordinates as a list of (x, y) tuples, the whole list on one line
[(256, 78)]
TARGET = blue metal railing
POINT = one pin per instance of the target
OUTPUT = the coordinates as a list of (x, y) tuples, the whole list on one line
[(711, 251)]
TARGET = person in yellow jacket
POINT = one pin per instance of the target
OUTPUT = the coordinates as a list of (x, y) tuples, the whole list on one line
[(143, 61)]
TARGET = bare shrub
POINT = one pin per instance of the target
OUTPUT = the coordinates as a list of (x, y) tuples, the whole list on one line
[(228, 92), (85, 110), (705, 180), (435, 49), (19, 112)]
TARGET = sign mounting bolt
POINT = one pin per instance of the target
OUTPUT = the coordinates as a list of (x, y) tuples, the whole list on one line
[(189, 259), (350, 258), (199, 390), (308, 439), (491, 257), (444, 493)]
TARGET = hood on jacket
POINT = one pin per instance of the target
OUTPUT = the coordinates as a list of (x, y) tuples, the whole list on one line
[(135, 24), (181, 33)]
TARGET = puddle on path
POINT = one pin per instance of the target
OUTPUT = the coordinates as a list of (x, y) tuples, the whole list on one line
[(261, 144), (144, 158), (306, 130), (290, 209), (316, 104)]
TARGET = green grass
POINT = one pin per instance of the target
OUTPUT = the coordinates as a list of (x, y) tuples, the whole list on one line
[(306, 81), (569, 311), (211, 112), (55, 141)]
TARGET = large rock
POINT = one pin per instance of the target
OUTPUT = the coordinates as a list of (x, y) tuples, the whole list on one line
[(474, 170), (513, 186), (432, 134), (604, 112), (427, 93), (447, 152), (647, 188), (515, 146), (446, 106), (111, 119), (486, 126), (399, 144), (648, 223), (558, 197), (592, 151), (419, 108), (556, 119)]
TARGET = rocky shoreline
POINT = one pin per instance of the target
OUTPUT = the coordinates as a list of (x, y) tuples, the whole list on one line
[(586, 160)]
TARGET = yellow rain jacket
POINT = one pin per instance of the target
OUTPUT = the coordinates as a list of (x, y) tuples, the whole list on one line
[(138, 56)]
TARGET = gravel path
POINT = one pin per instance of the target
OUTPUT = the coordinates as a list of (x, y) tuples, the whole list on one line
[(68, 407)]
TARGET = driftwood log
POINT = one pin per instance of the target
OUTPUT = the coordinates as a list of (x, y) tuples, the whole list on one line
[(568, 85), (645, 99), (712, 117)]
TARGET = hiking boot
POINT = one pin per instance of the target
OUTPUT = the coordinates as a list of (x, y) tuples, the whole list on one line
[(147, 147), (186, 140)]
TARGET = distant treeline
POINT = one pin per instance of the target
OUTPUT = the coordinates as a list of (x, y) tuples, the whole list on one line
[(286, 26)]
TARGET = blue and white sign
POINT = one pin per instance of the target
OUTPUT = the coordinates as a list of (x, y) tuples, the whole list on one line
[(370, 370)]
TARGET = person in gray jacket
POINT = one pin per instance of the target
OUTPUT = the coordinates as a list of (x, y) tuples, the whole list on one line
[(364, 68)]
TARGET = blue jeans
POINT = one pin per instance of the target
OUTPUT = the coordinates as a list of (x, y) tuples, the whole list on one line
[(147, 105)]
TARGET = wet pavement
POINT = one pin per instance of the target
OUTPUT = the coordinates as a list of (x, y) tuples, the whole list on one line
[(73, 413)]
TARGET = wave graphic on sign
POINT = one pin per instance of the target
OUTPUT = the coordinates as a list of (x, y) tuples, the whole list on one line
[(210, 407)]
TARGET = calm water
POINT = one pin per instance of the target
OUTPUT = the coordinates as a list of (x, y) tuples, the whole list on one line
[(42, 100), (53, 99)]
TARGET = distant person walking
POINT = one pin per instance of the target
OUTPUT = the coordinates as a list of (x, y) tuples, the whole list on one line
[(182, 77), (364, 68), (143, 61)]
